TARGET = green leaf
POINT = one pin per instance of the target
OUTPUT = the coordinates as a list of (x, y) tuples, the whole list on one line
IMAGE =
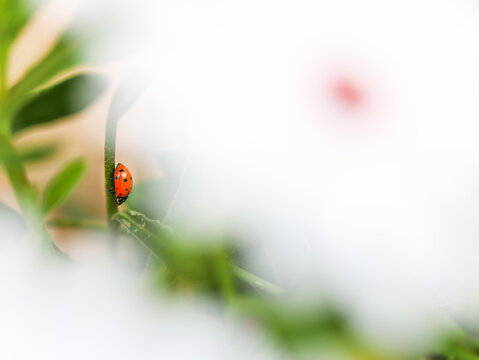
[(63, 184), (153, 234), (61, 100), (37, 152), (64, 55)]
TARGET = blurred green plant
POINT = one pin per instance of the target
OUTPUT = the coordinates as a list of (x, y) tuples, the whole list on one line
[(198, 260), (46, 93), (56, 102), (62, 184)]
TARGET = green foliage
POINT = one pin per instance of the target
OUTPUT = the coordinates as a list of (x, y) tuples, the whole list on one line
[(61, 100), (36, 99), (154, 235), (297, 326), (62, 185), (456, 344)]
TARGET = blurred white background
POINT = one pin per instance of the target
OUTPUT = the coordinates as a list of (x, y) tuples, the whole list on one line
[(336, 139)]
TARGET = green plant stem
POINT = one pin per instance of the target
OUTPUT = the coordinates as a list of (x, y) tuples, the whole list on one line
[(225, 277), (83, 223), (156, 237), (109, 168), (127, 93), (256, 281)]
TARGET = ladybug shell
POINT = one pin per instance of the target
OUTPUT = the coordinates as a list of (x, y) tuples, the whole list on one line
[(123, 183)]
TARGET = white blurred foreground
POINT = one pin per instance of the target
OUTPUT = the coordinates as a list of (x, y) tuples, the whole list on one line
[(338, 139), (97, 311)]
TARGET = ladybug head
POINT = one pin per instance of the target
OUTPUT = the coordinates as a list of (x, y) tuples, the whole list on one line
[(121, 199)]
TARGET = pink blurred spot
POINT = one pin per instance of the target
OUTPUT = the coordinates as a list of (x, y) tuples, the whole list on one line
[(348, 94)]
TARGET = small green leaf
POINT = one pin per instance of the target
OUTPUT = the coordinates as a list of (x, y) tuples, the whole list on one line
[(153, 234), (61, 100), (37, 152), (62, 185)]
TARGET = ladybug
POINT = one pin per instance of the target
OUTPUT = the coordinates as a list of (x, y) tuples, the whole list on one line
[(123, 183)]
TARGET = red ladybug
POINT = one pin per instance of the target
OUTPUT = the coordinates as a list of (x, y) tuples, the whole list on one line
[(123, 183)]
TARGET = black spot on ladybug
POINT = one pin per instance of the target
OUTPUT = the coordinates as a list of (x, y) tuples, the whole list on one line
[(126, 190), (125, 180), (119, 194), (122, 170)]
